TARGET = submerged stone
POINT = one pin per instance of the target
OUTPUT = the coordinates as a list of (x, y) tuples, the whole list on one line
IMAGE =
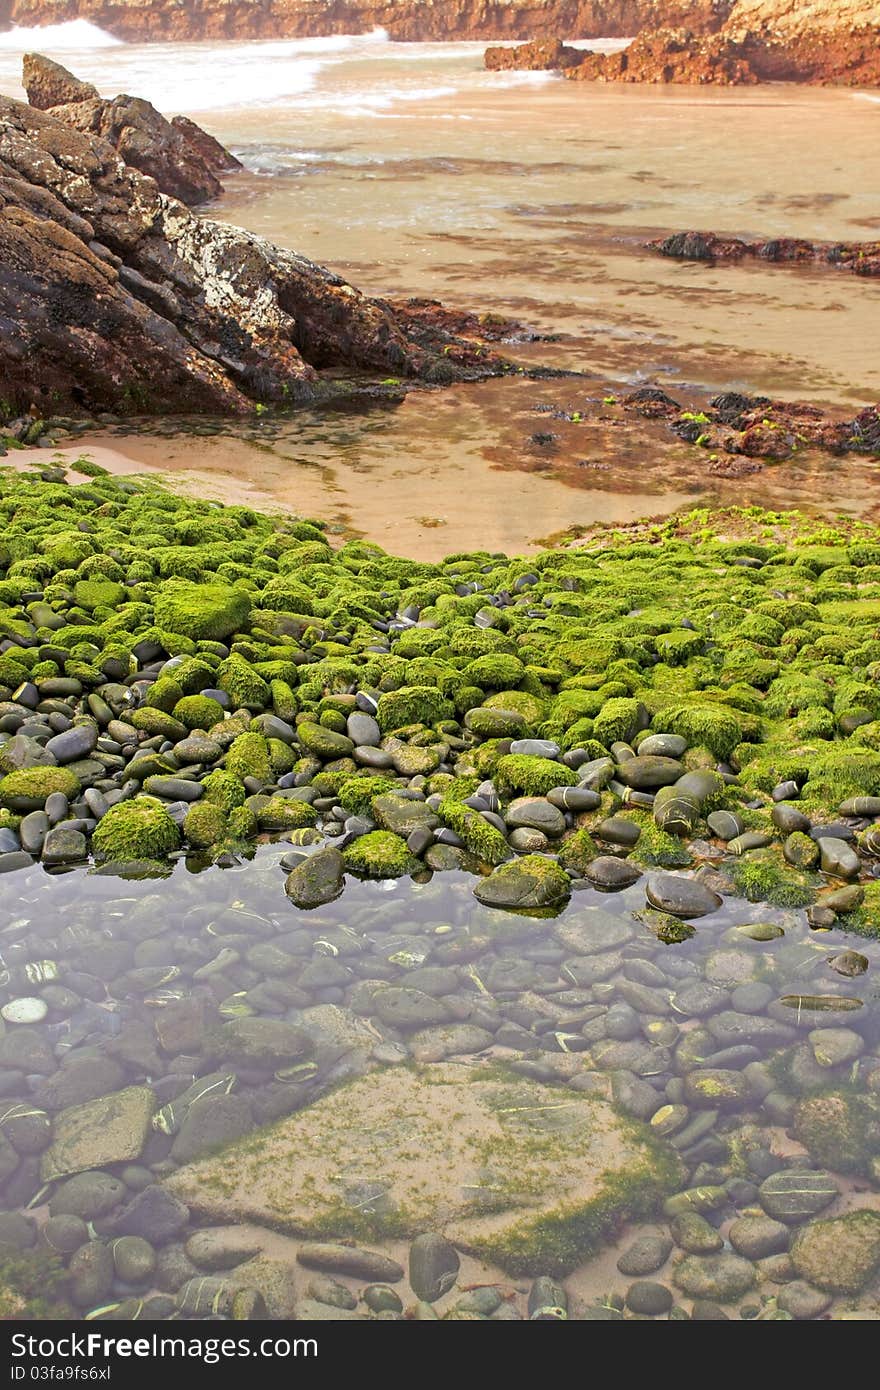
[(111, 1129), (518, 1172)]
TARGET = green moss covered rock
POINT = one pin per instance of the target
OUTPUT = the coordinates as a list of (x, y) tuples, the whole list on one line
[(29, 788), (381, 854), (136, 829), (201, 610)]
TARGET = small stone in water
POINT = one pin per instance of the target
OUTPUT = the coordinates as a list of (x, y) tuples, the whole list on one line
[(849, 963), (761, 931), (25, 1010)]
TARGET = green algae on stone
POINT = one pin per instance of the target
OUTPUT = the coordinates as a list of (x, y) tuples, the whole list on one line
[(525, 884), (533, 776), (205, 824), (136, 829), (840, 1254), (380, 854), (29, 788), (201, 610), (248, 756), (198, 711), (223, 788), (761, 876), (534, 1177), (484, 841)]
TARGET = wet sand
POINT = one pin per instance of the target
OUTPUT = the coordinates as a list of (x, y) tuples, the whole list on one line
[(425, 513)]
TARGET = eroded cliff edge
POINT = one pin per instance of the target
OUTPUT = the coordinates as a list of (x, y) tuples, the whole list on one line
[(405, 20)]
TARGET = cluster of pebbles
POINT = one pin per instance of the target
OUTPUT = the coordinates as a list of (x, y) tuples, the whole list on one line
[(603, 846)]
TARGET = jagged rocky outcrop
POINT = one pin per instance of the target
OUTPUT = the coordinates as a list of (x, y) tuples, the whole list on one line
[(183, 159), (826, 41), (115, 297), (859, 257), (541, 55), (406, 20)]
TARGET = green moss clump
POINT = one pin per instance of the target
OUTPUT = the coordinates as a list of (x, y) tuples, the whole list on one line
[(412, 704), (381, 854), (248, 756), (557, 1243), (519, 702), (356, 793), (482, 839), (495, 671), (284, 701), (156, 722), (619, 720), (678, 646), (655, 848), (577, 852), (136, 829), (865, 921), (495, 723), (716, 727), (763, 877), (198, 711), (520, 772), (224, 789), (30, 787), (286, 813), (244, 686), (201, 610), (205, 824)]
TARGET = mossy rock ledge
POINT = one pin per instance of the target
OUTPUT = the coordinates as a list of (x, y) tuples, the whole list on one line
[(529, 1176)]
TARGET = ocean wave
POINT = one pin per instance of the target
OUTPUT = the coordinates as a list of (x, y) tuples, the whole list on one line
[(75, 35)]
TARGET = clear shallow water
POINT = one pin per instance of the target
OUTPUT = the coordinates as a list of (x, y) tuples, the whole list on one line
[(156, 965)]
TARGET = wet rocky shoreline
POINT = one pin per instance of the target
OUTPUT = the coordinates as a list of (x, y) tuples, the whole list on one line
[(580, 850)]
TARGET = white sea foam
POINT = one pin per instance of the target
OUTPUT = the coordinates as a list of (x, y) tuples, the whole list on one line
[(75, 35)]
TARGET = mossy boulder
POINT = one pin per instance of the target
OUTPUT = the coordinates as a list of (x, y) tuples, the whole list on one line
[(380, 854), (153, 722), (136, 829), (412, 704), (244, 686), (224, 789), (323, 742), (248, 756), (533, 776), (198, 711), (841, 1254), (716, 727), (198, 611), (95, 593), (525, 885), (839, 1129), (29, 788), (205, 824), (495, 723), (285, 813), (317, 880), (483, 840)]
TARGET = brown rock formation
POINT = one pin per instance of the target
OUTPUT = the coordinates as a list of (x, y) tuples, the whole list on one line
[(859, 257), (115, 297), (49, 84), (215, 156), (542, 55), (824, 41), (670, 55), (757, 427), (406, 20), (182, 158)]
